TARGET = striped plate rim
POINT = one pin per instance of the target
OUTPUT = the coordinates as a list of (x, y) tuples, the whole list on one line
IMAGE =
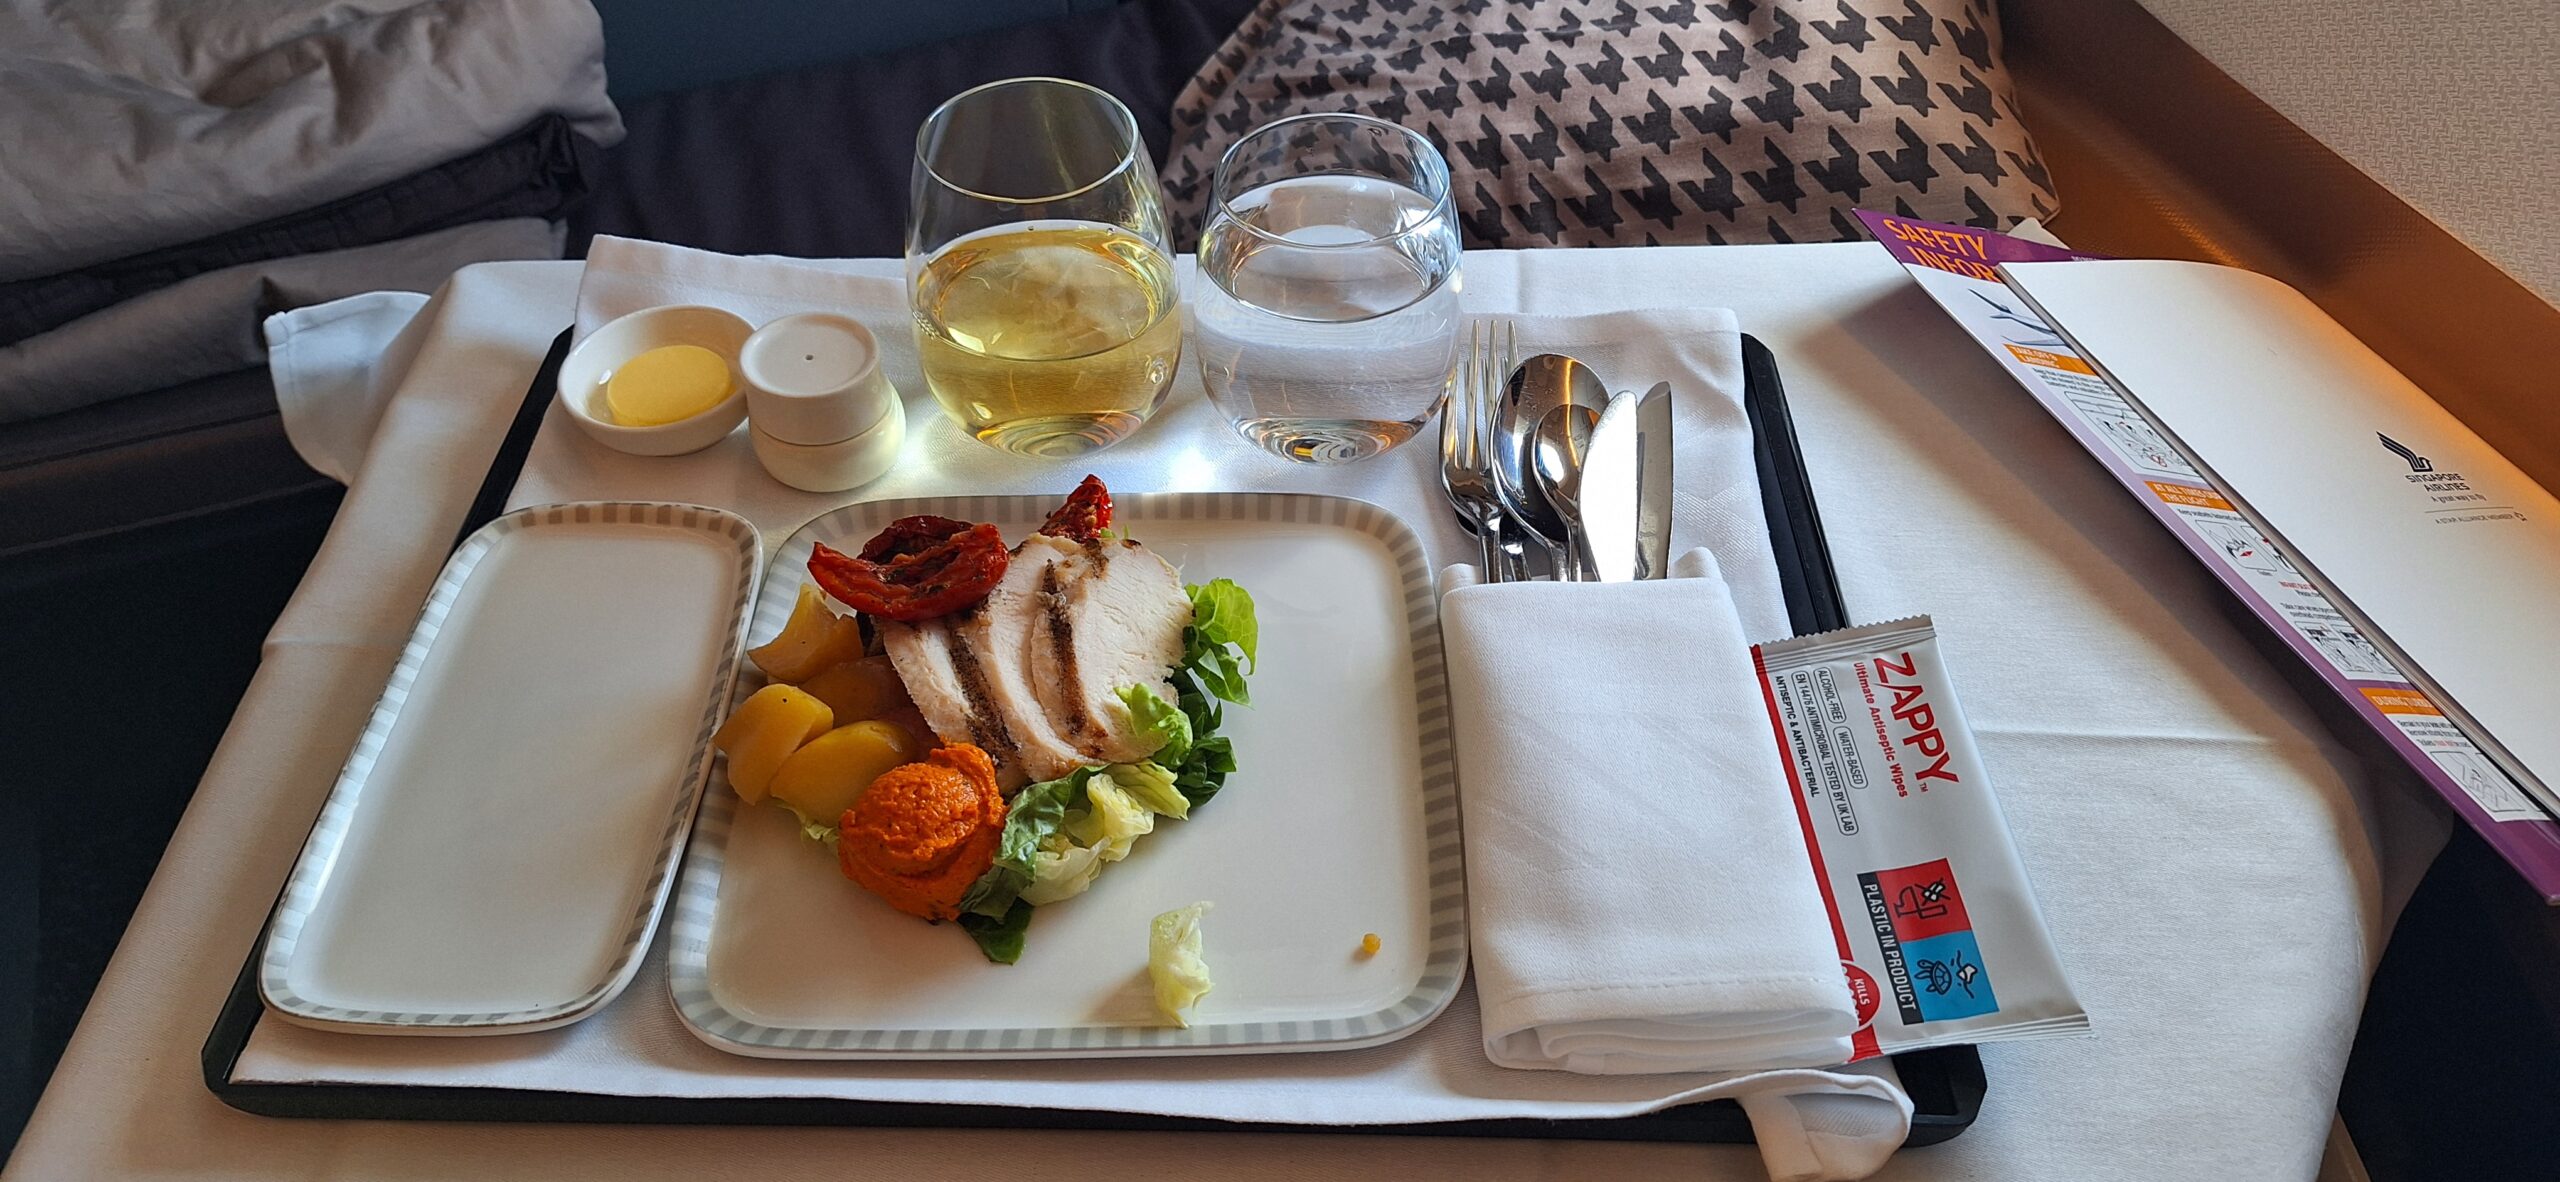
[(318, 862)]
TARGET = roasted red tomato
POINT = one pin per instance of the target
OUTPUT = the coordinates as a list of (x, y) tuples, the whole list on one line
[(918, 568), (1085, 515), (912, 535)]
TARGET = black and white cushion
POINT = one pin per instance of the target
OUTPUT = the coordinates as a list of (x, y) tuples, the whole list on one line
[(1630, 122)]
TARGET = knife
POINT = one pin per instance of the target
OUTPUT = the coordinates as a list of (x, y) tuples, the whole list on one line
[(1653, 483), (1609, 492)]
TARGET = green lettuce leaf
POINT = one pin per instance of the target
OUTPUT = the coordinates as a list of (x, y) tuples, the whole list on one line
[(1220, 648), (1222, 613), (1219, 675), (1115, 821), (1196, 705), (1206, 771), (1152, 715), (1174, 964), (825, 833), (1062, 870), (1000, 937), (1222, 626), (1151, 784), (1036, 812)]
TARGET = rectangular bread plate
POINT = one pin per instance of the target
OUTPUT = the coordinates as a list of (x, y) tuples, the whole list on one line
[(1341, 821), (501, 841)]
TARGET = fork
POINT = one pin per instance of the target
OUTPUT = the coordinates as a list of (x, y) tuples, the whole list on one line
[(1496, 373), (1466, 453)]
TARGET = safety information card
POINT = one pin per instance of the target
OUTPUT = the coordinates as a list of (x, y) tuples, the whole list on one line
[(1958, 267)]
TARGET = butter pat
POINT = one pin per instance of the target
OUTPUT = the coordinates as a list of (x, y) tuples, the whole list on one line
[(667, 384)]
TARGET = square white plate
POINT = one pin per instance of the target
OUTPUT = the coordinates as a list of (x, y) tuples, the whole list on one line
[(499, 845), (1342, 820)]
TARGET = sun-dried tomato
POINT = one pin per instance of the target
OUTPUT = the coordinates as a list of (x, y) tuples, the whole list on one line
[(1085, 515), (916, 569), (912, 535)]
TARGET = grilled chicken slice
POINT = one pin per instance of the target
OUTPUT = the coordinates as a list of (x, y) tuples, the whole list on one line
[(1032, 675), (1002, 632), (1119, 624), (943, 678), (968, 675)]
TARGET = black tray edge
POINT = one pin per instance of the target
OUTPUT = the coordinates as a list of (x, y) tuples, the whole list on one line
[(1946, 1084)]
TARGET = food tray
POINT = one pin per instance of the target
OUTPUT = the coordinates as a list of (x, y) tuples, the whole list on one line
[(1946, 1085)]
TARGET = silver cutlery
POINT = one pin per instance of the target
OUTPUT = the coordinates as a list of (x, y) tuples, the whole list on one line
[(1494, 367), (1607, 497), (1653, 483), (1467, 447), (1556, 455), (1537, 386)]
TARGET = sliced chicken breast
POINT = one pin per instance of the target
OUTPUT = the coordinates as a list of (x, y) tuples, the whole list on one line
[(1115, 620), (1002, 632), (1033, 674), (950, 689)]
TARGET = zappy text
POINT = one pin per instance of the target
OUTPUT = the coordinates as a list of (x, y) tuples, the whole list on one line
[(1910, 707)]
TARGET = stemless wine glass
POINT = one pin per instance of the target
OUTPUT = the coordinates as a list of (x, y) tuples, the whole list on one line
[(1039, 268), (1328, 330)]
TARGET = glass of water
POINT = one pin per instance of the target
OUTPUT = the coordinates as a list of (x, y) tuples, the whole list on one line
[(1328, 325)]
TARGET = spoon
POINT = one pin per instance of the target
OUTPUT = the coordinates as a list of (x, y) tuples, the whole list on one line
[(1563, 438), (1539, 385)]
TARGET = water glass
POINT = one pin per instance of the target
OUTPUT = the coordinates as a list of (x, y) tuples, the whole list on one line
[(1328, 322), (1039, 267)]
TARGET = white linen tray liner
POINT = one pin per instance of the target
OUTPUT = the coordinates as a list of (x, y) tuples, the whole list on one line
[(636, 1046)]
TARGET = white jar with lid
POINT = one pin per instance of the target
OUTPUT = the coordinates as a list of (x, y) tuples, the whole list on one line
[(820, 413)]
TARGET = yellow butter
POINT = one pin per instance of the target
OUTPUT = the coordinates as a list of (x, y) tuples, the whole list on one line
[(667, 384)]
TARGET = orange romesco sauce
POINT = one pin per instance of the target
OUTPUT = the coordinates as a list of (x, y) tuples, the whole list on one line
[(923, 832)]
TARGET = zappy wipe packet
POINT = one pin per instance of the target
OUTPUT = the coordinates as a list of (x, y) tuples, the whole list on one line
[(1937, 930)]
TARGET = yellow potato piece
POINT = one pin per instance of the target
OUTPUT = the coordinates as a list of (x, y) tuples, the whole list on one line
[(824, 778), (911, 720), (814, 638), (763, 732), (855, 690)]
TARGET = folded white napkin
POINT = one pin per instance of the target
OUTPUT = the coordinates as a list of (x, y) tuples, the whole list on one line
[(324, 357), (1638, 893), (324, 360), (624, 275)]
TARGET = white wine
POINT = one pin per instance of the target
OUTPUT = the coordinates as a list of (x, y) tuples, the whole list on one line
[(1049, 338)]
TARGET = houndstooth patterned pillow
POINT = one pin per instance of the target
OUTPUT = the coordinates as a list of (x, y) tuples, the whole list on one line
[(1599, 122)]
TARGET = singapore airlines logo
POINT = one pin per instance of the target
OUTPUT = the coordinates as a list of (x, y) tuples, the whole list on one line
[(2417, 463)]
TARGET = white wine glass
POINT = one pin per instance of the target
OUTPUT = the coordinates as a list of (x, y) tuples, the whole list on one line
[(1039, 267)]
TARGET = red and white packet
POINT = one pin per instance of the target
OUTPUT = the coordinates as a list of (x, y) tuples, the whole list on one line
[(1937, 929)]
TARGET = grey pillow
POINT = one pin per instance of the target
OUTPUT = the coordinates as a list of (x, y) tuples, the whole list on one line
[(144, 124), (1606, 122)]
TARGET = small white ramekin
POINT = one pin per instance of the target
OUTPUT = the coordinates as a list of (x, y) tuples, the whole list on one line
[(588, 367)]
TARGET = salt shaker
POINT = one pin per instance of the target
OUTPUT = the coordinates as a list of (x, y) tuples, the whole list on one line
[(821, 415)]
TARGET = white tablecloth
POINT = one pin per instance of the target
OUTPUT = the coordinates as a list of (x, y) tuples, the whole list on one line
[(2215, 870)]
